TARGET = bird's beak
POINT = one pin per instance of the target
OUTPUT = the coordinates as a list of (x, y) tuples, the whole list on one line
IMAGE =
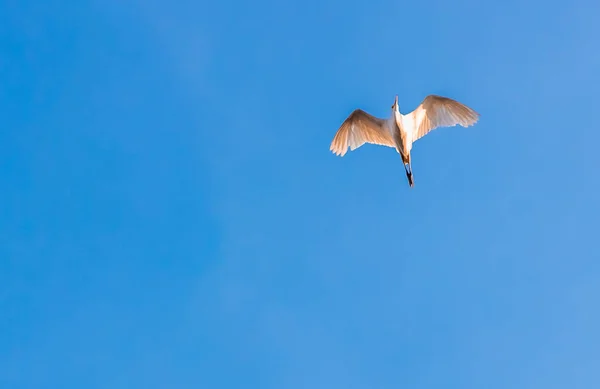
[(396, 100)]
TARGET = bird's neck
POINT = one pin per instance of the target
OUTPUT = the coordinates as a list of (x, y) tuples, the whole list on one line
[(398, 119)]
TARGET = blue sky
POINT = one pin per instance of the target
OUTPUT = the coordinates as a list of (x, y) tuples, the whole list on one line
[(172, 216)]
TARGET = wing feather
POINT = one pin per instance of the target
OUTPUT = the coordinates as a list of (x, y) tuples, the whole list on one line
[(438, 111), (360, 128)]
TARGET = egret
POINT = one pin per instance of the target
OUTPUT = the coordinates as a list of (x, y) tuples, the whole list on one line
[(401, 131)]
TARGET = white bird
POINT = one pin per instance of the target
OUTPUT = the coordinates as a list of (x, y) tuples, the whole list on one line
[(401, 131)]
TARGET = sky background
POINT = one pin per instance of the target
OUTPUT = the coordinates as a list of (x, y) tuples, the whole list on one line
[(171, 215)]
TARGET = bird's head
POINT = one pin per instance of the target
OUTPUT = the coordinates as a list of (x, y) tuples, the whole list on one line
[(395, 107)]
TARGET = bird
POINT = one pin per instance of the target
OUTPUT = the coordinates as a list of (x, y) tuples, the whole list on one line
[(401, 131)]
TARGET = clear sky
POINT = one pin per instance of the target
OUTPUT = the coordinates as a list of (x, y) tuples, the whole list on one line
[(172, 217)]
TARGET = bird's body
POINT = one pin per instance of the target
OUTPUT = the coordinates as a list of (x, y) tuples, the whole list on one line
[(401, 131)]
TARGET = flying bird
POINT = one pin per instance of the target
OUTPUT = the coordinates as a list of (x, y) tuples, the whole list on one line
[(401, 131)]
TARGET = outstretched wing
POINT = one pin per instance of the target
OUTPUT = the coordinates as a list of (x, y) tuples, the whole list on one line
[(437, 111), (360, 128)]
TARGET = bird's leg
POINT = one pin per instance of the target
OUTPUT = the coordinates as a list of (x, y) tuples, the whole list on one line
[(407, 166), (409, 174)]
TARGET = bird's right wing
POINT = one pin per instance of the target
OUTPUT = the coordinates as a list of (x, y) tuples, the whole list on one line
[(360, 128), (438, 111)]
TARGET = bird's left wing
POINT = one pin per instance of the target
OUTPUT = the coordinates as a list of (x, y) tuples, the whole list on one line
[(437, 111), (360, 128)]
